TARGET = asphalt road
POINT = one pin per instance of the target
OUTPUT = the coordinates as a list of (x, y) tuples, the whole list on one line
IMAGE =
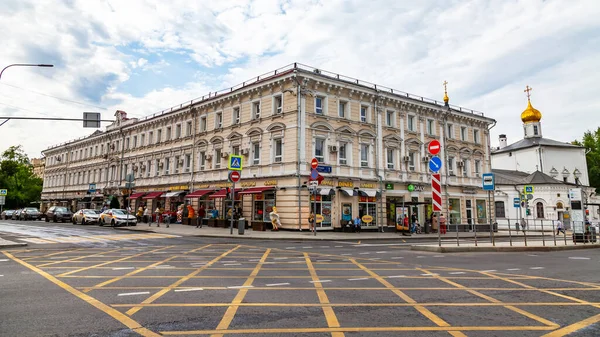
[(91, 281)]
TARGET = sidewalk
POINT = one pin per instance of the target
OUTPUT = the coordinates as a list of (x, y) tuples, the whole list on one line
[(10, 244), (537, 246), (184, 230)]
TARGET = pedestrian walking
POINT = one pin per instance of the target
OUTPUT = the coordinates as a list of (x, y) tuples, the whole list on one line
[(147, 215), (442, 224), (157, 215), (139, 214), (523, 225), (560, 227), (201, 216)]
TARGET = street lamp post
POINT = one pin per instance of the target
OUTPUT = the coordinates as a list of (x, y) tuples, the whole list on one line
[(25, 65)]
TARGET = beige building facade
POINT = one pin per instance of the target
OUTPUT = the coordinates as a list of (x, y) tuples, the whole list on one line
[(371, 143), (39, 166)]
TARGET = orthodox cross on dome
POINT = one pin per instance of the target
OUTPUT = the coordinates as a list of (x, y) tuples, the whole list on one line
[(446, 98), (528, 91)]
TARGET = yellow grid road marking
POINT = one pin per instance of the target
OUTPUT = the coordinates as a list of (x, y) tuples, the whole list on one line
[(74, 259), (330, 317), (574, 327)]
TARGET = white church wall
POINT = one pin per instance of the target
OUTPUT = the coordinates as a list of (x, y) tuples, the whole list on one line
[(569, 158), (523, 160)]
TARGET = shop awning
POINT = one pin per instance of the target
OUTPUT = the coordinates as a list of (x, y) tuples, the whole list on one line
[(222, 193), (152, 195), (137, 195), (348, 192), (368, 193), (326, 191), (256, 190), (98, 197), (199, 193), (172, 194)]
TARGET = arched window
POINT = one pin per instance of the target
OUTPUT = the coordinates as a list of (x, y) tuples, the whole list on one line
[(539, 208)]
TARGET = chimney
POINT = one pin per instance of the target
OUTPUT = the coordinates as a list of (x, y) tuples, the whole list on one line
[(502, 140)]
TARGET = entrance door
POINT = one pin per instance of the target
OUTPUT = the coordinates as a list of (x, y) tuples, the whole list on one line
[(469, 209)]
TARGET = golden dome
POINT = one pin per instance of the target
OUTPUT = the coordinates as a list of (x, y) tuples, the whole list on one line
[(530, 114)]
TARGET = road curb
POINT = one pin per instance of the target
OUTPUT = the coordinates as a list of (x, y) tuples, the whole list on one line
[(437, 249), (12, 245)]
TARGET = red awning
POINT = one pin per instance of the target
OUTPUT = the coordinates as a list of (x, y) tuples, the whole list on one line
[(222, 192), (136, 195), (256, 190), (199, 193), (152, 195)]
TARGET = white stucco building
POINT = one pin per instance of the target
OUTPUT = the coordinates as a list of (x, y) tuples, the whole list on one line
[(551, 167)]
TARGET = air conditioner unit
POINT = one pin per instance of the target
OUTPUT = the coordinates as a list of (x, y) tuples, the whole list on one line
[(333, 148), (406, 158), (161, 164), (224, 154), (208, 156), (245, 151), (180, 161), (460, 164), (425, 159), (279, 110)]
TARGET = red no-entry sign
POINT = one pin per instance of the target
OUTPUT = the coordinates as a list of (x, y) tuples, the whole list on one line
[(314, 163), (434, 147), (234, 176)]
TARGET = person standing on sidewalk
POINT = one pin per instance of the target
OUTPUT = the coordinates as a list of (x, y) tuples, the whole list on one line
[(523, 225), (434, 223), (442, 224), (157, 215), (201, 216), (311, 221)]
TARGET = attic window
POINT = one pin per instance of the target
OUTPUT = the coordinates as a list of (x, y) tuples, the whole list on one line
[(510, 154)]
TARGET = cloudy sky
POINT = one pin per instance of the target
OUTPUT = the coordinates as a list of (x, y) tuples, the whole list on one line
[(145, 56)]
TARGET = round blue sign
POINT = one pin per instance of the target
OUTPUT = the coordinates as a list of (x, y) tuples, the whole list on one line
[(435, 164)]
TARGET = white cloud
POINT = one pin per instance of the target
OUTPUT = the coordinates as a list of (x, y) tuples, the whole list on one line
[(487, 50)]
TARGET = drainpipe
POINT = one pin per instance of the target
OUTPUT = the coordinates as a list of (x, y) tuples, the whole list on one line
[(298, 122), (377, 156), (193, 111)]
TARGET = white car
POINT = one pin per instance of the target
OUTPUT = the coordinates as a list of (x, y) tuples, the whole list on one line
[(117, 217), (86, 216)]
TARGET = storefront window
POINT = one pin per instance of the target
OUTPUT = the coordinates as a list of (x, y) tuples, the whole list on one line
[(394, 210), (454, 208), (368, 206), (481, 211), (323, 205), (204, 205), (263, 205)]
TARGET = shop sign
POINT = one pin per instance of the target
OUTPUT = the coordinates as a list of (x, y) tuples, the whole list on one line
[(345, 184), (319, 218), (178, 188), (221, 185), (326, 183), (367, 219), (415, 188), (466, 190), (367, 199), (367, 185), (389, 186), (202, 186), (270, 183), (248, 183)]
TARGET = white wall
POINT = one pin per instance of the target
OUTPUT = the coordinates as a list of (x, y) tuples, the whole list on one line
[(569, 158), (521, 160)]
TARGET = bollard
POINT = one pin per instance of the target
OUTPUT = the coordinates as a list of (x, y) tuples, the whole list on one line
[(509, 234), (525, 235), (543, 237), (553, 233), (565, 236), (457, 239), (475, 231)]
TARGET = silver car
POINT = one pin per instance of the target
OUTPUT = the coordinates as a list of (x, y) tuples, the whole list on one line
[(117, 217), (86, 216)]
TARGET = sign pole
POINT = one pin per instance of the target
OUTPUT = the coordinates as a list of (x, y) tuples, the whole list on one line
[(490, 215), (232, 208)]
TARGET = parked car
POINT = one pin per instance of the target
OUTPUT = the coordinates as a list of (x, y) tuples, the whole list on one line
[(16, 214), (30, 213), (117, 217), (86, 216), (7, 214), (58, 213)]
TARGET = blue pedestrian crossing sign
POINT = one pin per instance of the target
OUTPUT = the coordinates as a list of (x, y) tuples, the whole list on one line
[(528, 189), (435, 164), (234, 163), (3, 192)]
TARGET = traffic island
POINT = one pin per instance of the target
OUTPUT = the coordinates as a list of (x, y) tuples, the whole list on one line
[(11, 244)]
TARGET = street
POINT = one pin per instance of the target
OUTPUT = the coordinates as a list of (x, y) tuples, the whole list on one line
[(74, 280)]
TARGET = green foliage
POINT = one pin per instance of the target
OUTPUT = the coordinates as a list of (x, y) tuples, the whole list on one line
[(16, 175), (114, 202), (591, 142)]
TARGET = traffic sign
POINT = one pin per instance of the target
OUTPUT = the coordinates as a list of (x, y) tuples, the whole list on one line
[(434, 147), (130, 177), (91, 120), (436, 192), (234, 163), (488, 181), (313, 183), (2, 200), (234, 176), (314, 163), (3, 192), (517, 202), (92, 188), (314, 174), (324, 169), (528, 189), (435, 164)]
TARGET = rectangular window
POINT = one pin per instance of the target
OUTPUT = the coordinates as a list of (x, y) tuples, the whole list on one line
[(389, 118), (535, 130), (342, 106), (167, 165), (411, 123), (85, 154), (178, 131), (177, 164), (278, 150), (476, 136), (202, 123), (188, 162), (320, 105), (256, 110), (158, 136), (430, 127), (364, 155), (255, 153), (188, 129), (451, 166), (449, 130), (235, 150), (466, 168), (95, 151), (277, 104), (500, 210), (390, 159), (236, 115), (411, 161), (202, 160), (343, 154), (126, 144), (217, 159), (477, 166), (148, 168), (157, 168), (150, 137), (320, 149), (364, 111), (134, 143), (118, 147), (463, 133), (168, 136), (142, 140)]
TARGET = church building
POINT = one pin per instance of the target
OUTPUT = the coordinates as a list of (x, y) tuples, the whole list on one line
[(549, 166)]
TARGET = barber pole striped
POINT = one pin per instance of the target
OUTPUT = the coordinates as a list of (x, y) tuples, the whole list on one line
[(436, 192)]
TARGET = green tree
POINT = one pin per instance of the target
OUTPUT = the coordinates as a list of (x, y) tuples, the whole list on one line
[(114, 202), (591, 143), (16, 175)]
